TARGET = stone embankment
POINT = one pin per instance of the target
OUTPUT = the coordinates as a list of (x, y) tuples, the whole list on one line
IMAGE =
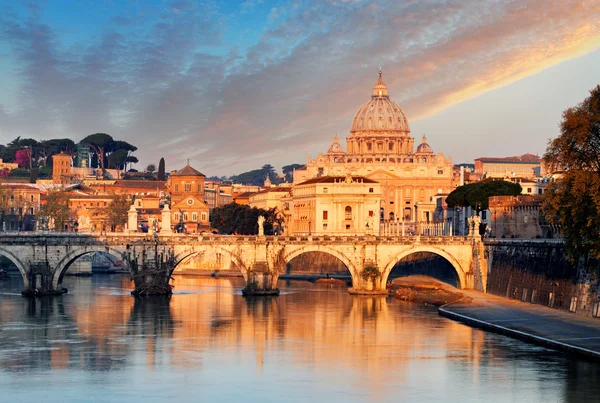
[(547, 327), (423, 289)]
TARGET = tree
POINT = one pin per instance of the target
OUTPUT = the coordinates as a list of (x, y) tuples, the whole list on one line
[(573, 201), (114, 215), (23, 157), (288, 171), (151, 168), (56, 211), (161, 170), (98, 142), (242, 219), (477, 194)]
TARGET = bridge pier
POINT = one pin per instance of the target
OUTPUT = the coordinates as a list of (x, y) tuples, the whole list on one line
[(368, 281), (40, 281), (261, 281)]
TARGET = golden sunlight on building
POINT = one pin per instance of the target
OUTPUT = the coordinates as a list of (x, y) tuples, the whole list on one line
[(381, 149)]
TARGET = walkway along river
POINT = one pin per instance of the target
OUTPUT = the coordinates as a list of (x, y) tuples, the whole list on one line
[(313, 342)]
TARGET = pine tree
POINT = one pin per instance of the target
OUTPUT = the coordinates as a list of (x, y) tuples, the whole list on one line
[(161, 170)]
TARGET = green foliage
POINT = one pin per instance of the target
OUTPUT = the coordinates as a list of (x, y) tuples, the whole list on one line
[(19, 173), (56, 210), (370, 273), (115, 214), (257, 177), (243, 220), (288, 171), (161, 170), (117, 159), (476, 194), (573, 201)]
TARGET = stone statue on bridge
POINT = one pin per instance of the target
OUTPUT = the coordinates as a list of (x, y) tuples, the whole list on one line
[(261, 222)]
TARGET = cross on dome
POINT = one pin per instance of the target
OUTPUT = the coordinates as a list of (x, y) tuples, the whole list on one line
[(380, 90)]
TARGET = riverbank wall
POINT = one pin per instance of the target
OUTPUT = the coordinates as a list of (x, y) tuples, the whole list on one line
[(538, 272)]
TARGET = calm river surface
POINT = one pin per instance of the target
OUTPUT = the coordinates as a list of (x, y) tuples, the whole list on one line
[(312, 343)]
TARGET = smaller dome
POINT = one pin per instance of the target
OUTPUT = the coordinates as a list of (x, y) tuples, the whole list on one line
[(424, 148), (335, 147)]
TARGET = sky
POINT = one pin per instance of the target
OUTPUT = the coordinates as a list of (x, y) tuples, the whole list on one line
[(233, 85)]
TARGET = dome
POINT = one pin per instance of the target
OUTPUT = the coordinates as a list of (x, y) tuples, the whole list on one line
[(335, 147), (424, 148), (380, 113)]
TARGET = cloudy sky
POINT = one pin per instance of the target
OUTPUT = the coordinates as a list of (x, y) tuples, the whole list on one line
[(233, 85)]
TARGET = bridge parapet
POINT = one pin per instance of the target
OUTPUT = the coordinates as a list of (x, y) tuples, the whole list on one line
[(261, 259)]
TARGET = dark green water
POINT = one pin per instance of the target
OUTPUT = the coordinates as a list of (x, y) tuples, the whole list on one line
[(312, 343)]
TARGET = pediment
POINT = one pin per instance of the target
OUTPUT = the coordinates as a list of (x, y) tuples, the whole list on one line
[(381, 174), (184, 204)]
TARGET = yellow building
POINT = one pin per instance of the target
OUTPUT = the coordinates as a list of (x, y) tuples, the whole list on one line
[(187, 200), (8, 165), (334, 205), (269, 198), (526, 166), (61, 168), (380, 148)]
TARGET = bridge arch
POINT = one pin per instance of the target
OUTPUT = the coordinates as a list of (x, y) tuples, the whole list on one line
[(295, 252), (13, 258), (234, 258), (71, 256), (460, 272)]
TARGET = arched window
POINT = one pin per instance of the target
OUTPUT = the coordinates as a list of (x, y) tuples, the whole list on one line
[(348, 213)]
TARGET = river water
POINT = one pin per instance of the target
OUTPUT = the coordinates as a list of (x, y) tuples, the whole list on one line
[(312, 343)]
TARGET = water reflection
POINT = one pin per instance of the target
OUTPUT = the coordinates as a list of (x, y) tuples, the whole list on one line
[(310, 342)]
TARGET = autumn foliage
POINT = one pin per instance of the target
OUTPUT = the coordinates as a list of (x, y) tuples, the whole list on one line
[(573, 200)]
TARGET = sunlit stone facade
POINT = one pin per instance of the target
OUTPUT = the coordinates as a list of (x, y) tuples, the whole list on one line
[(334, 205), (380, 148)]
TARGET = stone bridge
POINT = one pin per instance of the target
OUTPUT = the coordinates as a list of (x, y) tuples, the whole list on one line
[(43, 258)]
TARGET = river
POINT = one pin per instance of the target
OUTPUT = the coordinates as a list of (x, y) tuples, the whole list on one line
[(312, 343)]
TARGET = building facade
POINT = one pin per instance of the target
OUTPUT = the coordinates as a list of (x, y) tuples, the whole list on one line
[(381, 149), (189, 212), (334, 205)]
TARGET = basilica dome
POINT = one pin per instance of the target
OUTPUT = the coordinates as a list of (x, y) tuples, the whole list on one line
[(380, 114), (424, 148)]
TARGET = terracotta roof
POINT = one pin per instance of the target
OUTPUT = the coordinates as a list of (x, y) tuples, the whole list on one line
[(244, 195), (526, 158), (160, 185), (339, 179), (188, 171)]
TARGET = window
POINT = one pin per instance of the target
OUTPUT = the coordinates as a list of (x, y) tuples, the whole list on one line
[(199, 187), (325, 214), (31, 210), (371, 190), (371, 213), (203, 216), (194, 216), (324, 226), (440, 171), (187, 187), (348, 213), (177, 187), (391, 146), (176, 216), (347, 226), (32, 198), (325, 190), (539, 191), (185, 216), (391, 202), (528, 190), (368, 146)]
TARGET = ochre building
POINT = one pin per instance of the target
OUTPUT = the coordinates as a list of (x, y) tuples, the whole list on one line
[(381, 148)]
